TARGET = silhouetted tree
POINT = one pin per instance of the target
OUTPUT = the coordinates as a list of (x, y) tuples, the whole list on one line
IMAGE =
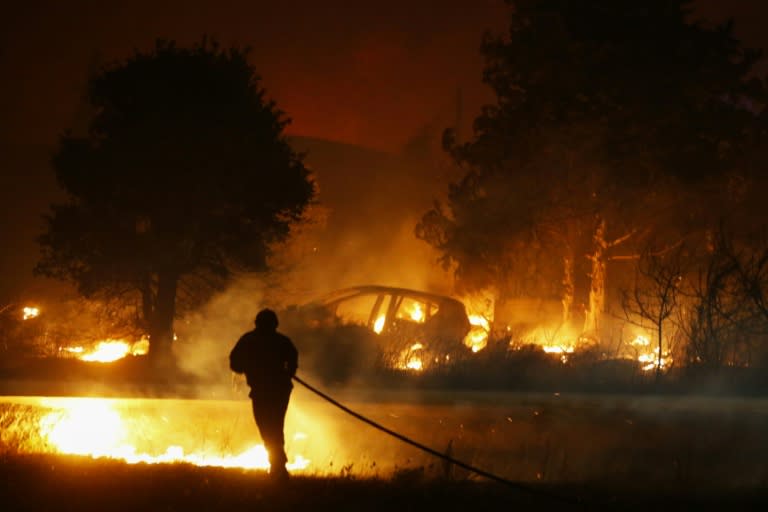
[(599, 105), (720, 323), (184, 177), (749, 259), (654, 295)]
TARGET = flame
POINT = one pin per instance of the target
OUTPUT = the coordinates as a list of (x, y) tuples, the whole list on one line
[(557, 349), (414, 364), (563, 345), (417, 313), (480, 321), (378, 325), (93, 427), (651, 360), (480, 313), (411, 361), (477, 337), (554, 340), (562, 350), (107, 351), (30, 312)]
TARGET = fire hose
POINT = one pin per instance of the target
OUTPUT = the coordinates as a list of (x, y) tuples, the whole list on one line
[(516, 485)]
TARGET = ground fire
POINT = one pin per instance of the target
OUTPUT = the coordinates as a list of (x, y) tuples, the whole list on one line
[(417, 355), (107, 351), (101, 428)]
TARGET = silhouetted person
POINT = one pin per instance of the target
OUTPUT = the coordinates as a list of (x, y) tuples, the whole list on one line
[(269, 360)]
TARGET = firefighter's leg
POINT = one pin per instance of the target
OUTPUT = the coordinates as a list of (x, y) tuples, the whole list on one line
[(270, 417)]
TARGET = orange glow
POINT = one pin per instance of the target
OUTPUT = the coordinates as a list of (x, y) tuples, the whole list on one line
[(557, 349), (94, 427), (108, 351), (477, 337), (410, 359), (555, 340), (378, 325), (414, 364), (562, 350), (480, 313), (417, 313), (30, 312), (480, 321), (650, 358)]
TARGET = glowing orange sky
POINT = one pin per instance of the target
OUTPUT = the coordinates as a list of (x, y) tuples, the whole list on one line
[(369, 73), (372, 73)]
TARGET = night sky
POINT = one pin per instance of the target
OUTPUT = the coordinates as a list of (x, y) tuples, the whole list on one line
[(367, 73)]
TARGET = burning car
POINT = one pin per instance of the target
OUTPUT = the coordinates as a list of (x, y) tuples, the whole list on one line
[(368, 327)]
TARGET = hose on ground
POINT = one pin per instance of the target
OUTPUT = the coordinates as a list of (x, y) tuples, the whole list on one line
[(516, 485)]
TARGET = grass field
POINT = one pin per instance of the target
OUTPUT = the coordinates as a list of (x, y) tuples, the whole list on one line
[(609, 452)]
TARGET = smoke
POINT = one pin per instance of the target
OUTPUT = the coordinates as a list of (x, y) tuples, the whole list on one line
[(360, 232), (387, 255), (371, 202), (206, 336)]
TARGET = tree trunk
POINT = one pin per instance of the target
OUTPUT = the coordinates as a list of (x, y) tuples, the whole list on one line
[(161, 326), (659, 333), (597, 281), (568, 287), (147, 303)]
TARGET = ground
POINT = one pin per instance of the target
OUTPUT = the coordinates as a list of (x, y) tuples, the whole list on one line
[(72, 483), (561, 451)]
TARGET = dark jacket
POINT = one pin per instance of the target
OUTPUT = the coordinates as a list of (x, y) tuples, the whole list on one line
[(267, 358)]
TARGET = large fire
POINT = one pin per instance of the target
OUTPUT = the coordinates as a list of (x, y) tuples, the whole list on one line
[(95, 427)]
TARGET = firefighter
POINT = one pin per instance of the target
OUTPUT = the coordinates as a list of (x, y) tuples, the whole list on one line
[(269, 361)]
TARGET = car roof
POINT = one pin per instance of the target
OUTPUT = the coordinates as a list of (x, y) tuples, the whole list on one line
[(377, 289)]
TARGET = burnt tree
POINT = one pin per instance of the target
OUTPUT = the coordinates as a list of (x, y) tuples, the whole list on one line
[(655, 294), (599, 106)]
